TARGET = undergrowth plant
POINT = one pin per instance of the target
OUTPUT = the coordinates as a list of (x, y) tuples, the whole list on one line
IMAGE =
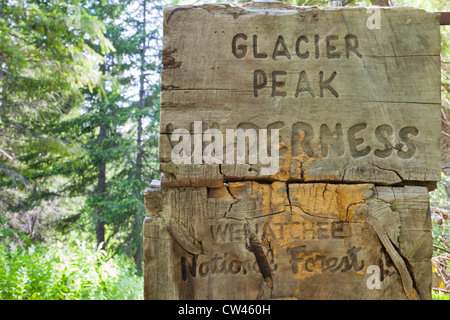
[(66, 272)]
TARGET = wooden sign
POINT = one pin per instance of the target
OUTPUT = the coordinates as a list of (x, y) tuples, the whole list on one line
[(297, 149), (301, 241), (352, 102)]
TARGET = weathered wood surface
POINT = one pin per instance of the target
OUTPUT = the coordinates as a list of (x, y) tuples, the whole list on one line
[(352, 104), (334, 206), (249, 240)]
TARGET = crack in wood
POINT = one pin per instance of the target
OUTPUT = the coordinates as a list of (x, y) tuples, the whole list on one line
[(389, 239), (182, 236), (254, 246), (390, 170)]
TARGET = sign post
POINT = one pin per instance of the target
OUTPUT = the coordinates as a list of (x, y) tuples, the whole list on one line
[(297, 149)]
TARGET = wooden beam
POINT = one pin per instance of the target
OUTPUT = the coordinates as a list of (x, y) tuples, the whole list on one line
[(445, 18)]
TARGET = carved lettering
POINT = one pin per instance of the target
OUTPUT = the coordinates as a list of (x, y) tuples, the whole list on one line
[(223, 264), (305, 230), (283, 51), (330, 48), (219, 232), (355, 142), (327, 84), (351, 44), (255, 49), (187, 267), (276, 83), (387, 129), (295, 259), (305, 139), (303, 85), (280, 78), (333, 140), (316, 46), (337, 229), (305, 143), (319, 263), (239, 51), (259, 81), (410, 147), (304, 55), (279, 48)]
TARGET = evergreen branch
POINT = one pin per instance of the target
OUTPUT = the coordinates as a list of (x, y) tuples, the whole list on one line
[(6, 155), (15, 175)]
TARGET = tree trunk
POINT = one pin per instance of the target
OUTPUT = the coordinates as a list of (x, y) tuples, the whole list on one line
[(139, 154), (101, 181), (383, 3), (101, 190)]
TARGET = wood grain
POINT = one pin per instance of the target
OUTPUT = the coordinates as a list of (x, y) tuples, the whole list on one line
[(327, 196), (250, 240), (324, 70)]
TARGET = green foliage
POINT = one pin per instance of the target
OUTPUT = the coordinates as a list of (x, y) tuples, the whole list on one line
[(91, 148), (111, 129), (64, 272), (439, 197), (44, 65), (439, 295)]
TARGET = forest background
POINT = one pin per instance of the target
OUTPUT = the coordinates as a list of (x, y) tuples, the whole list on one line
[(79, 126)]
